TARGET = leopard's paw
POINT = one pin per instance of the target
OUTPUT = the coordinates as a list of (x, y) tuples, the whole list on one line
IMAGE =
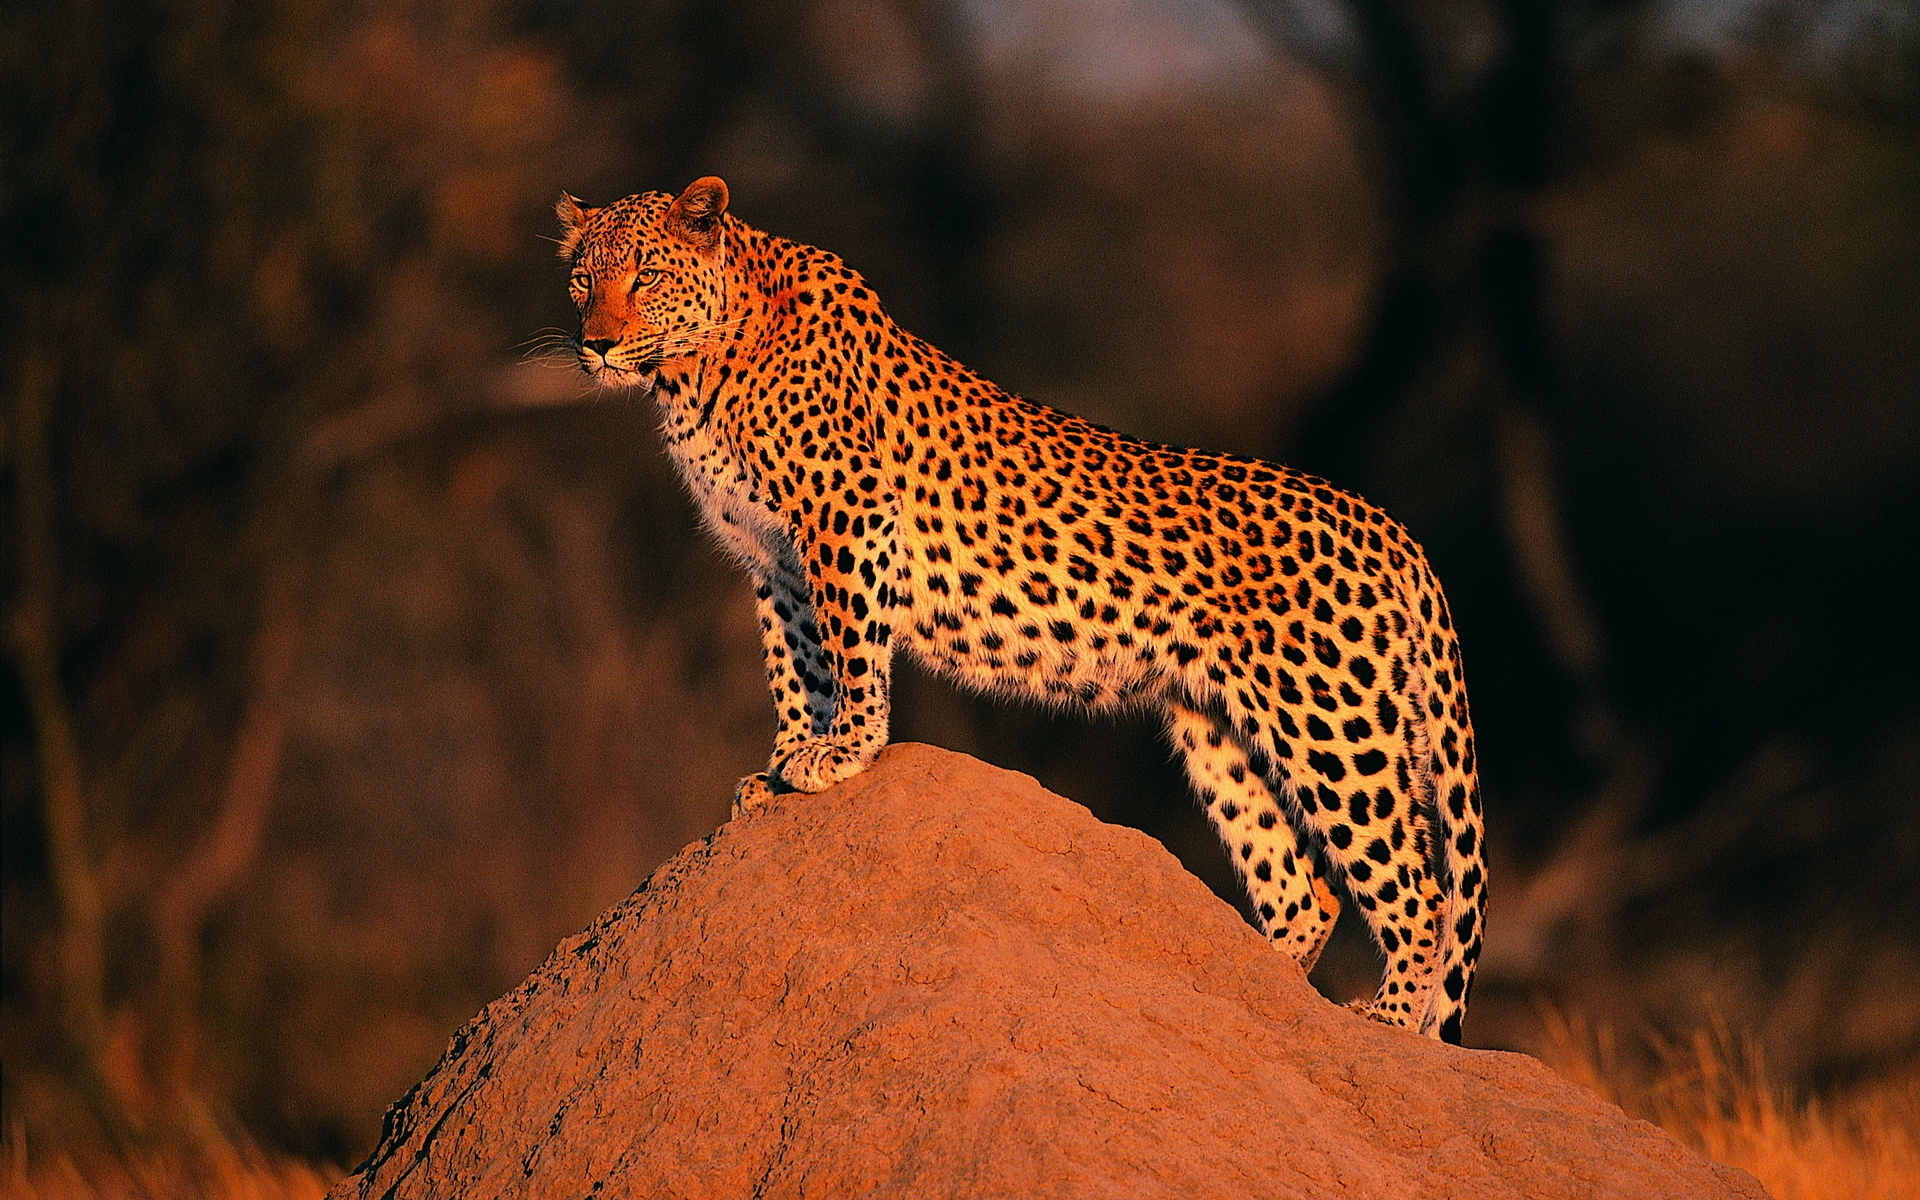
[(816, 765), (753, 793)]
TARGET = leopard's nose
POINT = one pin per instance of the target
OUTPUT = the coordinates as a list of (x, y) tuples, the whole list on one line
[(600, 346)]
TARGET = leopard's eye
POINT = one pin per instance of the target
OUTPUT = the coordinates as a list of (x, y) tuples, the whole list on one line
[(581, 281), (645, 277)]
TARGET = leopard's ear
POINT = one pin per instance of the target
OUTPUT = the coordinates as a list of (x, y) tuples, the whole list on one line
[(694, 215), (573, 223)]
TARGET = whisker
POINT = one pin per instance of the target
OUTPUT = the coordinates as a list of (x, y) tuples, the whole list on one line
[(557, 348), (548, 337)]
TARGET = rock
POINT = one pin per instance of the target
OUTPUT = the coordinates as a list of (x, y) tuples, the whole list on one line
[(939, 979)]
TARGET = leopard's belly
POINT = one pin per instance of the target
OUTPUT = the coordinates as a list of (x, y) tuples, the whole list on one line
[(1021, 633)]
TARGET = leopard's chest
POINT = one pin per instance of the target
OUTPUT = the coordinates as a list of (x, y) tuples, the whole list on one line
[(726, 493)]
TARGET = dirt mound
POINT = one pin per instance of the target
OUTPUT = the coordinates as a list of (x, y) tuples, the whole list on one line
[(939, 979)]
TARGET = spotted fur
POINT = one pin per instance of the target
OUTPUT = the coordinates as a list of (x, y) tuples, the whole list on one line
[(881, 494)]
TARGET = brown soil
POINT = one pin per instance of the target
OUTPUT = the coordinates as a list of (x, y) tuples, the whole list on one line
[(939, 979)]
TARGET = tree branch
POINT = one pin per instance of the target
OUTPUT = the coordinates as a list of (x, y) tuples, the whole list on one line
[(35, 638)]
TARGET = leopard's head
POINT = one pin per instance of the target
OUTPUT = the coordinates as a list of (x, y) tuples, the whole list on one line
[(648, 278)]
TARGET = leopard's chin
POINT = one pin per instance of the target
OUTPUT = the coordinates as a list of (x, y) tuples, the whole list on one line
[(607, 375)]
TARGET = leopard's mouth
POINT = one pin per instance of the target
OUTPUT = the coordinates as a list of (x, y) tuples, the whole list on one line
[(638, 372)]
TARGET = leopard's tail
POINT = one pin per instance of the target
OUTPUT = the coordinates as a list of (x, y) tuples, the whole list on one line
[(1457, 821)]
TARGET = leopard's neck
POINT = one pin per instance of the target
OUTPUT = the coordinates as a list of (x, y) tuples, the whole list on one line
[(819, 355)]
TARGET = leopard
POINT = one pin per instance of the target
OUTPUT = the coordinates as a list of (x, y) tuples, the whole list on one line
[(880, 495)]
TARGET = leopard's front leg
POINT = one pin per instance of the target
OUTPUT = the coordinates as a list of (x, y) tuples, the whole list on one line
[(849, 557), (836, 649), (797, 675)]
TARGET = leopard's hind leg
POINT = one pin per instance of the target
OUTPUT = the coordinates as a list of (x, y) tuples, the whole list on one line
[(1359, 782), (1291, 901)]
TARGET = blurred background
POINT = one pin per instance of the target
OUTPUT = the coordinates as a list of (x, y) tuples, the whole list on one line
[(352, 659)]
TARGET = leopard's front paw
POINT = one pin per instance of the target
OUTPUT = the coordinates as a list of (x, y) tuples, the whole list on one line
[(816, 765), (753, 792)]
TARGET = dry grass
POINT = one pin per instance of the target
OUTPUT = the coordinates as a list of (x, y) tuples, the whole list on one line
[(1712, 1091), (212, 1170)]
